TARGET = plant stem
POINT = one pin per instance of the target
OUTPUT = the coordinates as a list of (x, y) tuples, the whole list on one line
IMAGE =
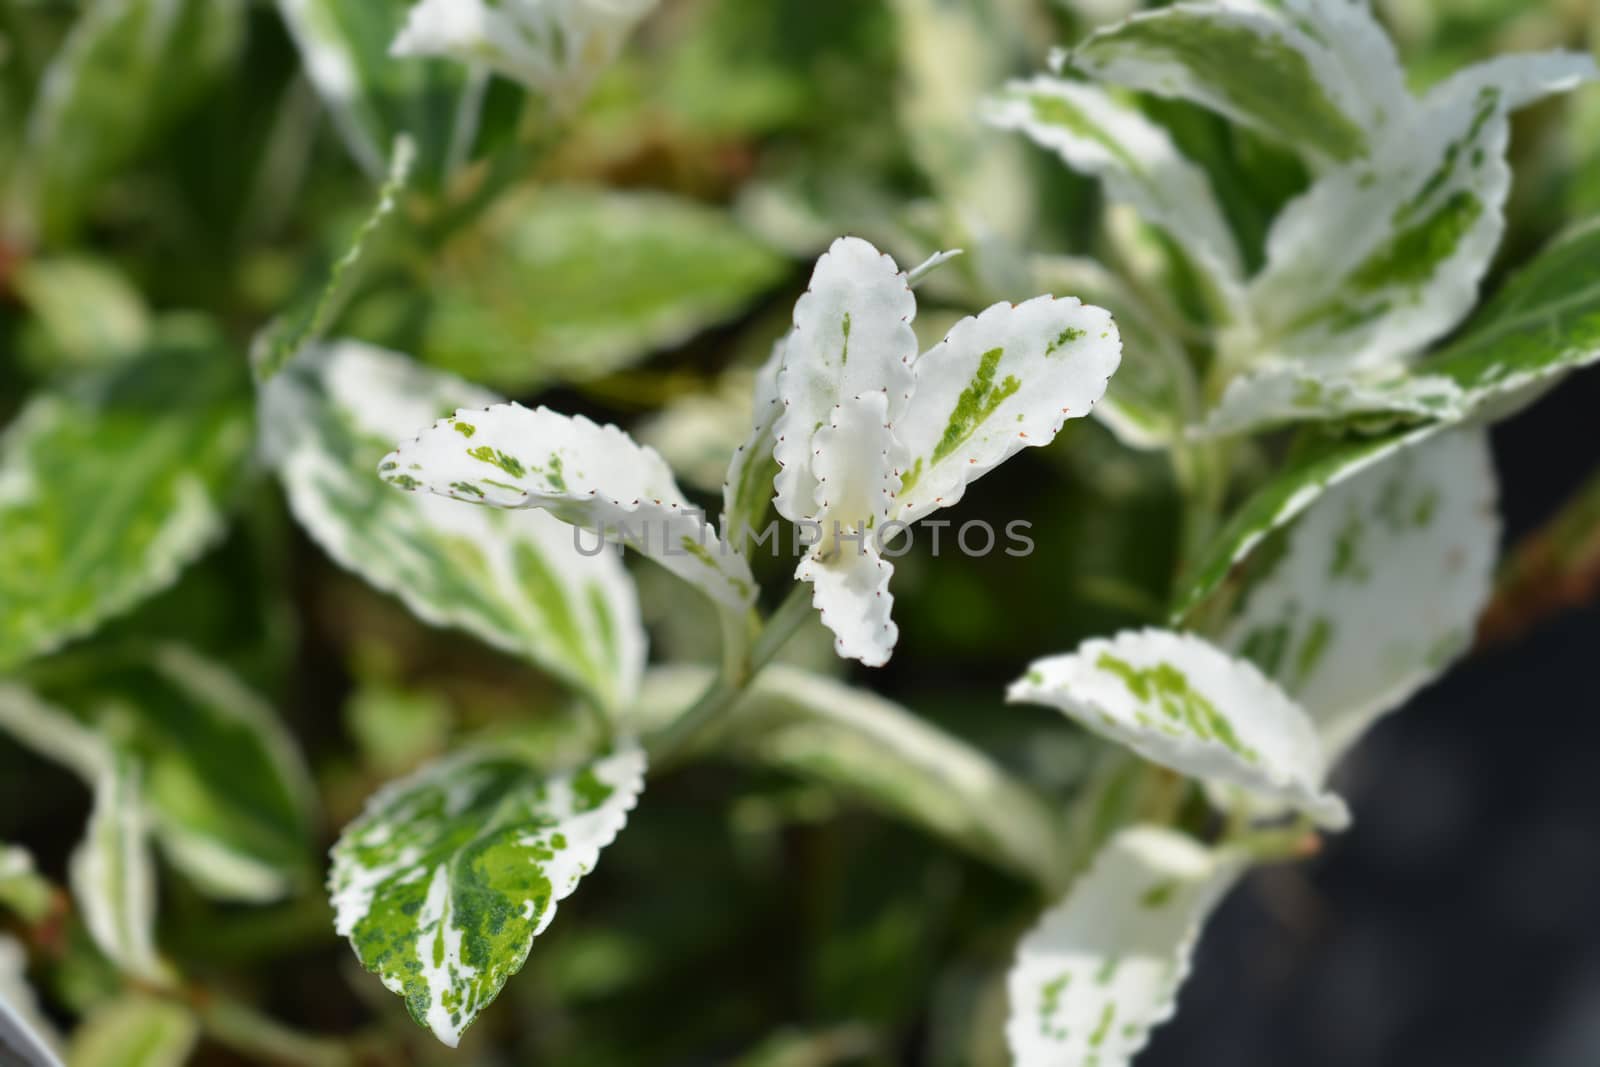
[(742, 659), (246, 1030)]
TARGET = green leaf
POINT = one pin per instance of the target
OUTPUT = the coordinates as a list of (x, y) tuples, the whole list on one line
[(136, 1031), (27, 1039), (306, 323), (1103, 968), (125, 71), (1375, 589), (445, 880), (373, 96), (110, 485), (824, 730), (1544, 324), (1184, 704), (514, 579), (1322, 77), (570, 284)]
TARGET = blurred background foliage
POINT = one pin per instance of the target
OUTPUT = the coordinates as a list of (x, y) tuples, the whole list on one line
[(171, 182)]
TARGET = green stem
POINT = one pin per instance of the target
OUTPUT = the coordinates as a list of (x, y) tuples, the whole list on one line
[(246, 1030), (741, 661)]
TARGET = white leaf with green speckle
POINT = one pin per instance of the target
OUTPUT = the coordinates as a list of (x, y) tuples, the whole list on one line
[(113, 874), (1098, 135), (110, 486), (1543, 325), (445, 880), (555, 47), (27, 1038), (870, 440), (1145, 402), (1376, 589), (1384, 254), (1318, 75), (999, 382), (1184, 704), (1285, 496), (135, 1030), (1285, 393), (512, 579), (595, 477), (1103, 968)]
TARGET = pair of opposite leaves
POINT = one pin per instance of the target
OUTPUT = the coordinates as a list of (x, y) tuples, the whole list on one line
[(856, 432)]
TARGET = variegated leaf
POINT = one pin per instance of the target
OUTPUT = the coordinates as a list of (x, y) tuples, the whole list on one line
[(445, 880), (112, 873), (1287, 392), (27, 1038), (1137, 161), (572, 283), (226, 792), (1155, 383), (1384, 254), (1376, 588), (1103, 968), (229, 796), (515, 580), (136, 1031), (1319, 75), (596, 478), (372, 96), (126, 71), (1287, 494), (999, 382), (554, 47), (1180, 702), (1542, 326), (852, 335), (855, 740), (110, 486)]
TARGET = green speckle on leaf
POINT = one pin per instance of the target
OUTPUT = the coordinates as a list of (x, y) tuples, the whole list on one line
[(510, 464), (405, 481), (1158, 896), (1168, 688), (1063, 339), (465, 429), (466, 487), (976, 403)]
